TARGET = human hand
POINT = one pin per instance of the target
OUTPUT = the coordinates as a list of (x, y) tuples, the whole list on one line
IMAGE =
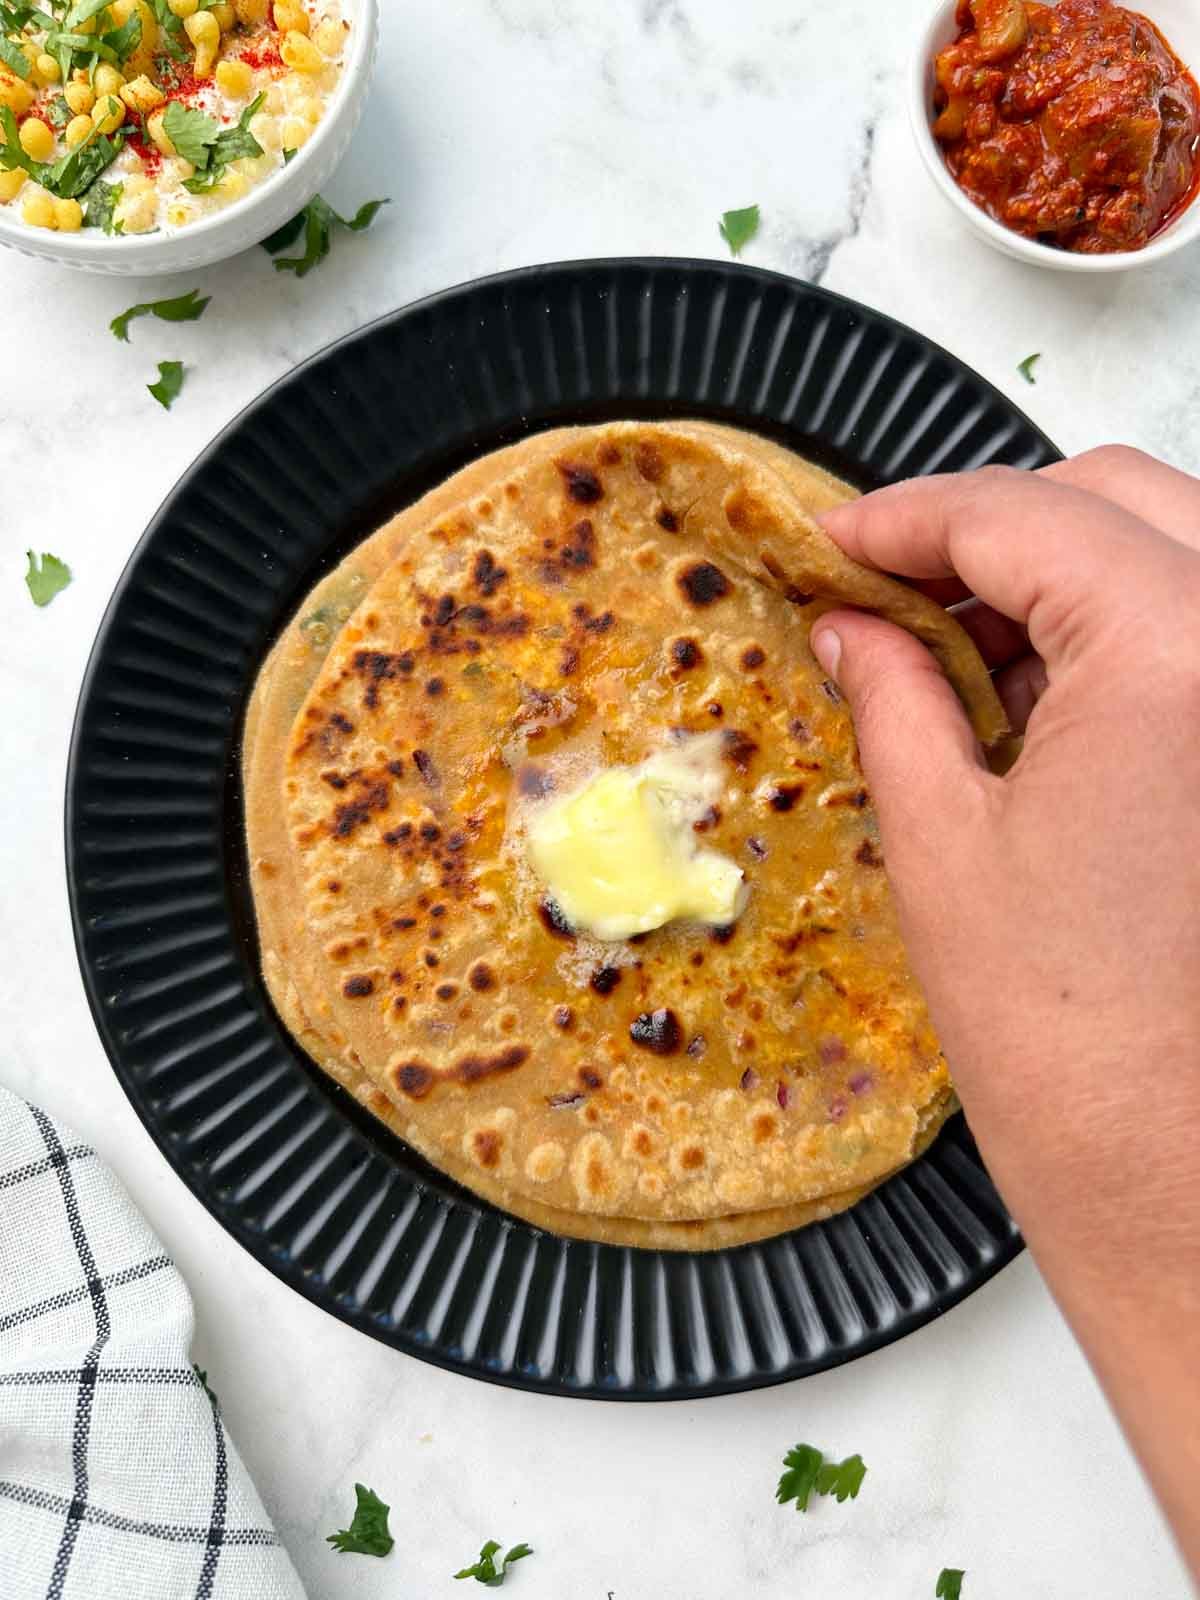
[(1053, 914)]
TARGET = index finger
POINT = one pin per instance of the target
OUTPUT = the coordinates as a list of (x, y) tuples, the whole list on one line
[(1035, 550)]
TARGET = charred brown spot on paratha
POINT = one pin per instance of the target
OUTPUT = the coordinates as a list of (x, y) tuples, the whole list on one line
[(487, 1144), (471, 1069), (738, 748), (867, 855), (487, 573), (568, 661), (553, 919), (376, 667), (658, 1031), (358, 986), (590, 1078), (435, 686), (582, 484), (648, 462), (857, 798), (481, 977), (667, 520), (605, 979), (353, 813), (414, 1079), (723, 934), (784, 796), (580, 550), (753, 657), (709, 819), (686, 653), (703, 583), (426, 766)]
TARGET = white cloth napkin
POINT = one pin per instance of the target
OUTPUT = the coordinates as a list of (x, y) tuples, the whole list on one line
[(118, 1480)]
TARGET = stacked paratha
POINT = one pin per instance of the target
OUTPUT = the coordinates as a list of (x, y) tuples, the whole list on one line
[(583, 600)]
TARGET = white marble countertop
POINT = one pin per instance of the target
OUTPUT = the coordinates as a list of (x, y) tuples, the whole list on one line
[(509, 132)]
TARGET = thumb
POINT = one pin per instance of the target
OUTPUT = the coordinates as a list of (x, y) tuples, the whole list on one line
[(920, 758)]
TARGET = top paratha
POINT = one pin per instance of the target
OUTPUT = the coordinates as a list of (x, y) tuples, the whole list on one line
[(613, 589)]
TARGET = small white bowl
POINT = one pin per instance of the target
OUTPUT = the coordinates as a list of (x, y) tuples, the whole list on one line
[(247, 222), (1178, 20)]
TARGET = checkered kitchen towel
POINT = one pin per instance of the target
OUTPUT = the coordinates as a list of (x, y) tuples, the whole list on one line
[(117, 1477)]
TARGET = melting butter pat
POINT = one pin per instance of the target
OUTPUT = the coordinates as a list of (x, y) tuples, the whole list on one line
[(619, 854)]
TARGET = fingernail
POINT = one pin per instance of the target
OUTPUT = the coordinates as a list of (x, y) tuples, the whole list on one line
[(827, 647)]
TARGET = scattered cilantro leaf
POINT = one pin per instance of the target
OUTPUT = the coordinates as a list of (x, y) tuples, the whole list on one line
[(288, 234), (809, 1473), (101, 210), (203, 1376), (46, 577), (193, 133), (368, 1533), (317, 221), (1025, 368), (738, 228), (485, 1570), (170, 382), (798, 1482), (288, 157), (842, 1479), (59, 112), (14, 58), (949, 1584), (187, 307)]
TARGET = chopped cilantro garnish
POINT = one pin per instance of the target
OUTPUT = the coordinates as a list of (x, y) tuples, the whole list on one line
[(46, 577), (184, 308), (317, 222), (59, 112), (170, 382), (210, 148), (193, 133), (1025, 368), (83, 11), (170, 31), (739, 227), (485, 1570), (809, 1473), (73, 173), (949, 1584), (231, 144), (123, 41), (101, 209), (368, 1533), (78, 170), (14, 57)]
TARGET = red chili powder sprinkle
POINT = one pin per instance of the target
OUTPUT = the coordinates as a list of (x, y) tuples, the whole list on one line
[(147, 153), (185, 87), (264, 55)]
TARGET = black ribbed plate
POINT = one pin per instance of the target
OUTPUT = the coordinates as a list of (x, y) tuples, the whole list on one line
[(313, 1186)]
